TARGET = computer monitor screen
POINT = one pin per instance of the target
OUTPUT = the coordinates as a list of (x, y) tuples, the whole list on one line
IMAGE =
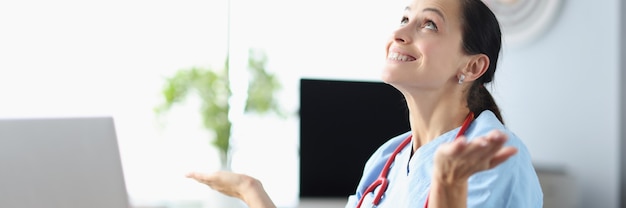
[(342, 123)]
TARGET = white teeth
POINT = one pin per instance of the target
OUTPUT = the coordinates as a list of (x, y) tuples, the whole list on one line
[(398, 57)]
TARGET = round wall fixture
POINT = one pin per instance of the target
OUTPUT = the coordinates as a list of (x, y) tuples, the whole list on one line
[(523, 20)]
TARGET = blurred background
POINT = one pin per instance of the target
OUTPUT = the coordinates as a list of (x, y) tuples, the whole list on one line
[(561, 91)]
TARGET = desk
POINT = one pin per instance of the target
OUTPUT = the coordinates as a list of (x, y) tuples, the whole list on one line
[(323, 202)]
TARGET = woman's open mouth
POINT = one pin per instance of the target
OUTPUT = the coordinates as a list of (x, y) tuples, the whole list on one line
[(394, 56)]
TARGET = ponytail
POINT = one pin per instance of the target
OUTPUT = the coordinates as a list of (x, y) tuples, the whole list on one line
[(479, 99)]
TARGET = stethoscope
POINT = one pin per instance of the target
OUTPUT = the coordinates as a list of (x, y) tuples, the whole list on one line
[(382, 180)]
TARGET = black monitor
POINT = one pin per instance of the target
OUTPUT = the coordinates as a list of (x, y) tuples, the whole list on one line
[(341, 124)]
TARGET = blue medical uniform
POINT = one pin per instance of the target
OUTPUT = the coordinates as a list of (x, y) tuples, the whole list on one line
[(513, 183)]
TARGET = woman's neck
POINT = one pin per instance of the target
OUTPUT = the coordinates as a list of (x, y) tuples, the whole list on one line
[(431, 117)]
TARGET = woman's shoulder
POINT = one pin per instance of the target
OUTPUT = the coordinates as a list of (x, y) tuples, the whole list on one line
[(487, 122), (483, 124), (391, 144), (376, 162), (516, 173), (386, 149)]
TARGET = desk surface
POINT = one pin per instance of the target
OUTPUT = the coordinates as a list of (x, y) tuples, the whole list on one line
[(303, 203), (323, 202)]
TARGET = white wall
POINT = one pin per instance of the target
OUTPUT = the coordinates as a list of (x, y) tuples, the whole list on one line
[(560, 94)]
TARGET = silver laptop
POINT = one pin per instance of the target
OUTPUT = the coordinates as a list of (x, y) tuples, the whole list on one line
[(60, 163)]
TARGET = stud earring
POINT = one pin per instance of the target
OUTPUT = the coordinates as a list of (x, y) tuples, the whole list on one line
[(461, 78)]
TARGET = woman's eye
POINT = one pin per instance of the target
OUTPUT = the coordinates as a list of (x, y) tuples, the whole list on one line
[(404, 21), (430, 25)]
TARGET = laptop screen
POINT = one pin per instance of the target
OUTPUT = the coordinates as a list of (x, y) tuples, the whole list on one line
[(60, 162)]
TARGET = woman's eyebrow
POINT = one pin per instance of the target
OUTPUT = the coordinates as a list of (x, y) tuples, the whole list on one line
[(435, 11), (428, 10)]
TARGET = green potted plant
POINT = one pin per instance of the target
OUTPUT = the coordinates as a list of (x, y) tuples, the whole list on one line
[(213, 87)]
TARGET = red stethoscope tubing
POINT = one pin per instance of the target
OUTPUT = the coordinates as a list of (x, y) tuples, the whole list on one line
[(382, 180)]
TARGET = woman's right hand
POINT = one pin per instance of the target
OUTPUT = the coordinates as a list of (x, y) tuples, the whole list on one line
[(241, 186), (458, 160)]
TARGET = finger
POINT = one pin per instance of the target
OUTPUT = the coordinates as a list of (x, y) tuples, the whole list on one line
[(459, 144), (502, 155), (202, 177), (195, 175), (191, 174), (496, 140), (493, 141), (455, 147), (497, 137), (484, 148), (481, 147)]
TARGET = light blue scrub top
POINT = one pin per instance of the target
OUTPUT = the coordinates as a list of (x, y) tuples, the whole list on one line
[(513, 183)]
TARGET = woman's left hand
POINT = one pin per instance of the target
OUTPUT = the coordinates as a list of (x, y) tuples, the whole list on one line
[(226, 182), (456, 161), (248, 189)]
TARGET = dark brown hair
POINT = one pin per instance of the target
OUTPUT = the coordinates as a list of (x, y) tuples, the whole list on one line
[(481, 35)]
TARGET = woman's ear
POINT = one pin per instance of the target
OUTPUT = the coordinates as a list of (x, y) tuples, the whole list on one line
[(476, 67)]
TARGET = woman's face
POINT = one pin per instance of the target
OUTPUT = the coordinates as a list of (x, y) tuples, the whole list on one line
[(425, 51)]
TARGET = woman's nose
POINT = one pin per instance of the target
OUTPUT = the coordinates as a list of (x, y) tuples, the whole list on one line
[(402, 35)]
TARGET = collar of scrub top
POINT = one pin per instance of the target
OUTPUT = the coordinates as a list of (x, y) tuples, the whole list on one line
[(382, 180)]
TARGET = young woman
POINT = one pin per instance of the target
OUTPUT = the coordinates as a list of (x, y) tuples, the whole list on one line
[(458, 152)]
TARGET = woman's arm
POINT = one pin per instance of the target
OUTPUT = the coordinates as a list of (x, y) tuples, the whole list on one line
[(455, 162), (447, 195), (248, 189)]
